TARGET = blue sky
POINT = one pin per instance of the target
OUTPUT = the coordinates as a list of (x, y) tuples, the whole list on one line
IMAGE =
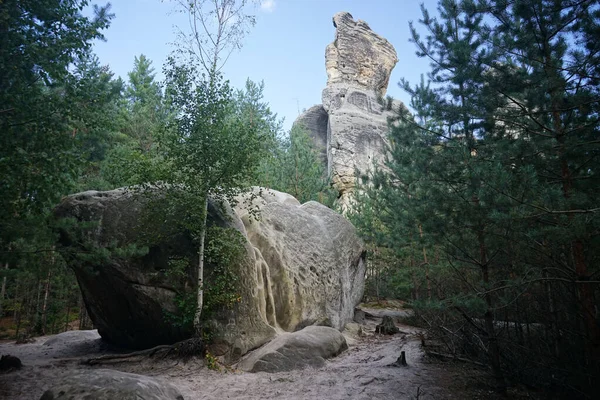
[(286, 48)]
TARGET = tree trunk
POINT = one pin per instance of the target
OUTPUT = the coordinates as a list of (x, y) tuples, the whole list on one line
[(18, 319), (67, 316), (414, 278), (200, 289), (16, 300), (426, 265), (3, 291), (494, 349), (553, 317), (45, 304), (83, 317), (585, 291), (35, 311)]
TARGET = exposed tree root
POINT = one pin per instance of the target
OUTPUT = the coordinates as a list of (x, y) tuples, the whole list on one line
[(184, 349)]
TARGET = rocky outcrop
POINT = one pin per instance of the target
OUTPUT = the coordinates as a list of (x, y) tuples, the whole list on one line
[(358, 63), (107, 384), (309, 347), (358, 56), (302, 264)]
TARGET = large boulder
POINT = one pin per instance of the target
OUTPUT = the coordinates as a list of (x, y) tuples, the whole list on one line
[(359, 64), (309, 347), (107, 384), (301, 264)]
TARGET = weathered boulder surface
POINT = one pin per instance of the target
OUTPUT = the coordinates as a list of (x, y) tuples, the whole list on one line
[(302, 264), (314, 260), (71, 337), (107, 384), (309, 347), (359, 64)]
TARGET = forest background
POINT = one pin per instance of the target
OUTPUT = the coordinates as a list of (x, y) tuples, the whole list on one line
[(483, 215)]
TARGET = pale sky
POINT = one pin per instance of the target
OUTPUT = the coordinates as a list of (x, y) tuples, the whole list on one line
[(286, 48)]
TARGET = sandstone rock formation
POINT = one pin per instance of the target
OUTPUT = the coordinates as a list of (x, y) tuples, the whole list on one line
[(303, 264), (358, 56), (358, 63), (107, 384), (309, 347)]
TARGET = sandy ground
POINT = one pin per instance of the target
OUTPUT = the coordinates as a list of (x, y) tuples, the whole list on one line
[(361, 372)]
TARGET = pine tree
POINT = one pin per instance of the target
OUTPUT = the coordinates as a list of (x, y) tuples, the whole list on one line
[(38, 103), (293, 167), (496, 166), (46, 141), (134, 157), (145, 109)]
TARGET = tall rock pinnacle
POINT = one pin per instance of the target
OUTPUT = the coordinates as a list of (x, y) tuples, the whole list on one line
[(358, 56), (358, 63)]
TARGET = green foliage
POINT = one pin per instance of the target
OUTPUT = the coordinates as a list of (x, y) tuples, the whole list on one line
[(55, 112), (134, 157), (490, 188), (212, 362), (293, 166), (209, 146), (67, 125), (224, 254), (186, 308), (144, 105), (99, 103), (250, 106), (40, 104)]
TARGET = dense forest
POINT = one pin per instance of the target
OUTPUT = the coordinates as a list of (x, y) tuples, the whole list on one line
[(482, 217), (485, 212)]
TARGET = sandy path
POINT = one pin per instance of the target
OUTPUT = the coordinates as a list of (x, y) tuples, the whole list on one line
[(362, 372)]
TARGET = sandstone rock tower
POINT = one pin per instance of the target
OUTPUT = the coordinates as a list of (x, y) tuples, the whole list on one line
[(349, 127)]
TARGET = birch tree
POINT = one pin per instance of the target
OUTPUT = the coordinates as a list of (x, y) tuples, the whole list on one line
[(211, 148)]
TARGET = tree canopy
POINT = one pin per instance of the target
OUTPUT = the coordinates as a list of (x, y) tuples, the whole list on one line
[(494, 174)]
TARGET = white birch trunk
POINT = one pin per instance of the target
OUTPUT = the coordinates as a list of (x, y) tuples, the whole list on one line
[(200, 290)]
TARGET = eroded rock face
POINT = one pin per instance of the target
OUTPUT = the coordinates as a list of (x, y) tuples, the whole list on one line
[(313, 258), (356, 136), (309, 347), (358, 56), (302, 264), (107, 384), (358, 63)]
